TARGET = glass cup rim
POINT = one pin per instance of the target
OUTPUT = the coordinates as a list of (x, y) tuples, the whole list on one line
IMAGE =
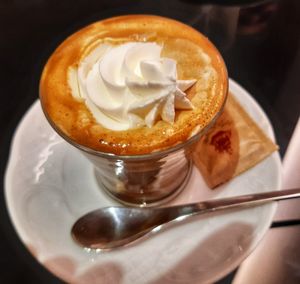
[(147, 156)]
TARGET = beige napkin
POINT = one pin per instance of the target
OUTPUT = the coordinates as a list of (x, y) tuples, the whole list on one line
[(233, 145)]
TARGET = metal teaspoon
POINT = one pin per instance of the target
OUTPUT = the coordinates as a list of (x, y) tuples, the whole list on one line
[(112, 227)]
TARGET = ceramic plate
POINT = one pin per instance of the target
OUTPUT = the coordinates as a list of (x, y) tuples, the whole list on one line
[(49, 184)]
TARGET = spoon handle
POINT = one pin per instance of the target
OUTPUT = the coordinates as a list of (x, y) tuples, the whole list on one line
[(239, 201)]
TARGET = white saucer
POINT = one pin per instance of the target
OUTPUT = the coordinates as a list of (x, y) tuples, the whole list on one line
[(49, 184)]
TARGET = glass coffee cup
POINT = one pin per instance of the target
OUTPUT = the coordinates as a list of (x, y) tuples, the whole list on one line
[(148, 164)]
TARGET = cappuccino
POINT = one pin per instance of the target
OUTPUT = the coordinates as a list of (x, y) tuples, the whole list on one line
[(133, 85)]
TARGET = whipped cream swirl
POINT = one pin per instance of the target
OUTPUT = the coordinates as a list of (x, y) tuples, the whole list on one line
[(130, 85)]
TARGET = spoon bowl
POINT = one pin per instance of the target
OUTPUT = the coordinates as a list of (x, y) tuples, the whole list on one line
[(111, 227)]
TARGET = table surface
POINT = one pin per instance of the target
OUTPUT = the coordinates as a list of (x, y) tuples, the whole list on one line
[(260, 44)]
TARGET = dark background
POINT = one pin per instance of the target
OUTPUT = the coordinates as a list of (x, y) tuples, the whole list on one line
[(259, 41)]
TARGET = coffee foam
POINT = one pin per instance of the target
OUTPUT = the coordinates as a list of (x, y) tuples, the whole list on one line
[(196, 58)]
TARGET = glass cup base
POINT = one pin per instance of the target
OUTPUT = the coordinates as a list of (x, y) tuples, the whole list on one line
[(139, 201)]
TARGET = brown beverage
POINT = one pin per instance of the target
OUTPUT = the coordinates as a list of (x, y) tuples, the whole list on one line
[(196, 59)]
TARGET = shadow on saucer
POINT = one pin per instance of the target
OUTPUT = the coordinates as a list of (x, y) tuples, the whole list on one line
[(107, 273), (220, 250), (61, 266), (64, 267)]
